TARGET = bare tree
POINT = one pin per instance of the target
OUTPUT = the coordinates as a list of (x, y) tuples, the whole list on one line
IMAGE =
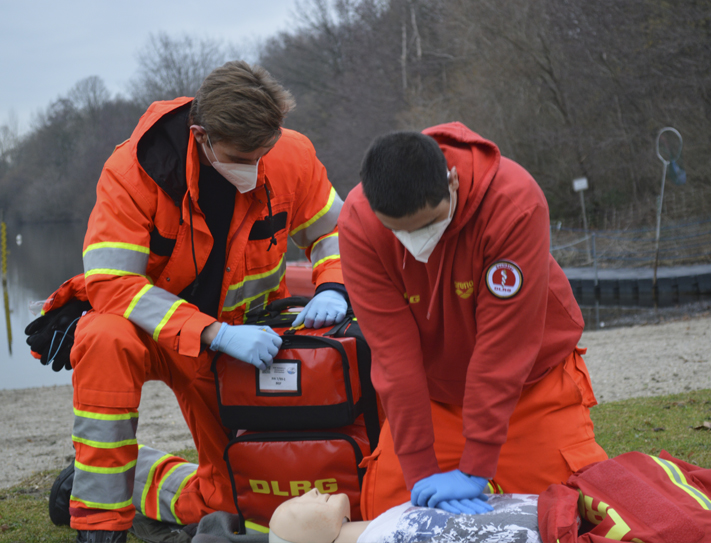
[(89, 94), (172, 67), (344, 64), (9, 136), (564, 87)]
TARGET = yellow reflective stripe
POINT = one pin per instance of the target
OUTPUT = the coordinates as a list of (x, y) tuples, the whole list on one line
[(166, 318), (98, 505), (109, 271), (332, 257), (331, 198), (261, 294), (135, 300), (256, 527), (160, 486), (150, 478), (490, 488), (102, 445), (117, 245), (94, 469), (177, 495), (247, 301), (248, 308), (103, 416), (677, 477), (319, 240), (619, 528), (255, 276)]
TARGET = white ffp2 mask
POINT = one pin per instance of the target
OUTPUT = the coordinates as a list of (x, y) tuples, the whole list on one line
[(421, 242), (242, 176)]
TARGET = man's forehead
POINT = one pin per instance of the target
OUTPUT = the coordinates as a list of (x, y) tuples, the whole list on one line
[(417, 220)]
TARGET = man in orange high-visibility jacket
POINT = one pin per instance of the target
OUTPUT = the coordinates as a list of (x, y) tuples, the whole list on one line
[(187, 240)]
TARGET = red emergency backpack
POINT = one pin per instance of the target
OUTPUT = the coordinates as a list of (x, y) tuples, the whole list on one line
[(309, 420)]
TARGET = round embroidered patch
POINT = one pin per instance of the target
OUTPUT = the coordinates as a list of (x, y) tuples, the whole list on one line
[(504, 279)]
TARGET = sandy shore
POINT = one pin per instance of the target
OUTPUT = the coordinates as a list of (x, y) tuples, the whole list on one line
[(649, 360)]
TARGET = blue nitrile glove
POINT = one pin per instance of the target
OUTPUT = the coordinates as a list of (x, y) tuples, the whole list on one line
[(256, 345), (477, 506), (326, 308), (443, 487)]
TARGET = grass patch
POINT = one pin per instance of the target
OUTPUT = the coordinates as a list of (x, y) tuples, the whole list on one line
[(674, 423), (23, 510), (641, 424)]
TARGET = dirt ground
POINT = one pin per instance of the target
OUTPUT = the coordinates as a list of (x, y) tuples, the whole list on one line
[(642, 360)]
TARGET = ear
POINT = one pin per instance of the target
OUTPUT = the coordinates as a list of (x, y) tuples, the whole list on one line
[(199, 133), (454, 178)]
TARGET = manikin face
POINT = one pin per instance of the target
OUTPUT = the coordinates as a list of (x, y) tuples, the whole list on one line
[(311, 518)]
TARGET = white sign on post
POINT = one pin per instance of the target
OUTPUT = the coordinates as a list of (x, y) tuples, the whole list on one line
[(581, 183)]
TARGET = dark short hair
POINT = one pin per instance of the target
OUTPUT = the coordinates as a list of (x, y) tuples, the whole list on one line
[(241, 104), (402, 172)]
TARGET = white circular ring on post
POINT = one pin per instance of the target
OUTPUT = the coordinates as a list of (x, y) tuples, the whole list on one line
[(681, 144)]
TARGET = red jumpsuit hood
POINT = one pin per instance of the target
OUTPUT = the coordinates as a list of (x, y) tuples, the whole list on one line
[(477, 161)]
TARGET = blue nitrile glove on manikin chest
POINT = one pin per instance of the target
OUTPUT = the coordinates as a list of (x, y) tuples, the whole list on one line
[(324, 309), (256, 345), (453, 491)]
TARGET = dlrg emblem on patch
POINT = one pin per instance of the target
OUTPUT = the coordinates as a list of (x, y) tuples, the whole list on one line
[(504, 279)]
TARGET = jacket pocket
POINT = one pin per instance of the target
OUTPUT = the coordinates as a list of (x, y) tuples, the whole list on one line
[(576, 369), (581, 454)]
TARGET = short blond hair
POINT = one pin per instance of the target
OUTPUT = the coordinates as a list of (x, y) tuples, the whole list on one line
[(242, 104)]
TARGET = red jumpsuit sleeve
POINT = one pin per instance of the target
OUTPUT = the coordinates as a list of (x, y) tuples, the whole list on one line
[(390, 329), (315, 223), (116, 251), (508, 338)]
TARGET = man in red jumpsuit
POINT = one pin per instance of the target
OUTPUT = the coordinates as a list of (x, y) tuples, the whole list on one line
[(188, 239), (472, 324)]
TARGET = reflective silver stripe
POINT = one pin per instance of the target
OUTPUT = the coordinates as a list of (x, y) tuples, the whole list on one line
[(169, 490), (115, 261), (325, 249), (147, 459), (254, 286), (107, 429), (103, 490), (320, 224), (152, 309)]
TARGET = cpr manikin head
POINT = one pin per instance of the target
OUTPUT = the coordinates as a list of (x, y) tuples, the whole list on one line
[(310, 518)]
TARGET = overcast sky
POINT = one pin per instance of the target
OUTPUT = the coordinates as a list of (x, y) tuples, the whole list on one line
[(47, 46)]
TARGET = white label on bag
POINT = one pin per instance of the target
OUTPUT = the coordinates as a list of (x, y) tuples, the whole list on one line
[(281, 377)]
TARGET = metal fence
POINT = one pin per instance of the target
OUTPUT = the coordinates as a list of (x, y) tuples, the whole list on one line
[(679, 244)]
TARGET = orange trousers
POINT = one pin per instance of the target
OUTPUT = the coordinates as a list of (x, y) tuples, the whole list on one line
[(112, 358), (550, 436)]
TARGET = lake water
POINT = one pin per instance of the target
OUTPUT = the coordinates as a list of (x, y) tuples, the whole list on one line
[(49, 254)]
